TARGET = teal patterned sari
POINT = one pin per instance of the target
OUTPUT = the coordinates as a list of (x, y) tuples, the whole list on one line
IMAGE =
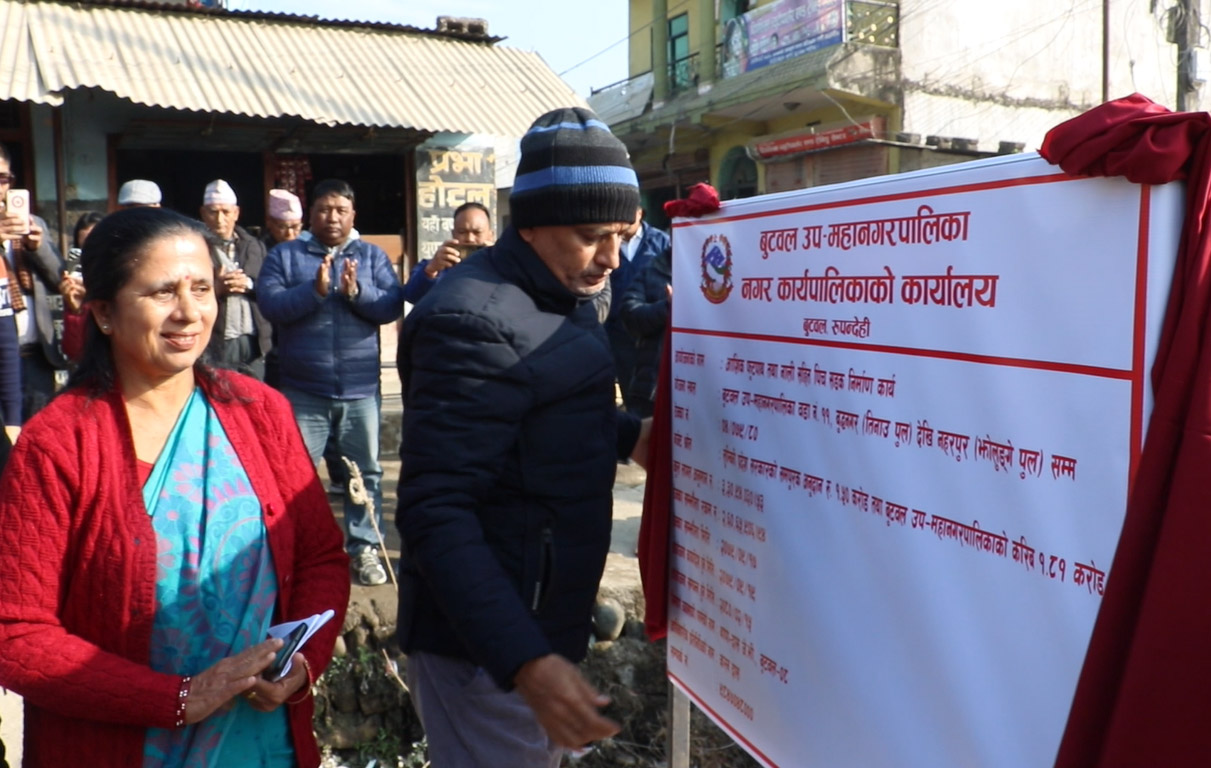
[(215, 591)]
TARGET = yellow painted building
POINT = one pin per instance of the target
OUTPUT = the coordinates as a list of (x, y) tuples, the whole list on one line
[(763, 96), (755, 97), (760, 96)]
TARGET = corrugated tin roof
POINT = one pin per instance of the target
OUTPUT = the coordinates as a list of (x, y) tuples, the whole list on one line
[(18, 70), (207, 10), (265, 67)]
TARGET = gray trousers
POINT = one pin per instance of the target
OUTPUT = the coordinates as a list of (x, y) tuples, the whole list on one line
[(470, 722), (244, 353)]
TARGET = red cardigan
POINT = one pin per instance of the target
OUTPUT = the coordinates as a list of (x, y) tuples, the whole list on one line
[(78, 571)]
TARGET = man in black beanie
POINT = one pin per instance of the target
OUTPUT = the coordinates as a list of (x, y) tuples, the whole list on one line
[(510, 443)]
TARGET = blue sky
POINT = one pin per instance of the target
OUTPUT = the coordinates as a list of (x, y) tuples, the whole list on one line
[(564, 32)]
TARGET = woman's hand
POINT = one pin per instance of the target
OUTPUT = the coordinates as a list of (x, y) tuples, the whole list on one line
[(267, 696), (72, 290), (215, 687)]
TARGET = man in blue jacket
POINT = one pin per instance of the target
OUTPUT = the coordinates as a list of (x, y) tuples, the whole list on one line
[(640, 244), (511, 440), (326, 297), (472, 230)]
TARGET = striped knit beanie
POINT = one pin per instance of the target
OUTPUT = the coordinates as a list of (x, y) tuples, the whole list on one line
[(572, 171)]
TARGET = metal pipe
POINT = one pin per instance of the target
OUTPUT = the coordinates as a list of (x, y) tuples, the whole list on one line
[(1187, 30), (660, 50), (1105, 51), (60, 177)]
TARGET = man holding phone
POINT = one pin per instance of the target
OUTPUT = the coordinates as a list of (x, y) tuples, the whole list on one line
[(10, 359), (472, 231), (32, 269)]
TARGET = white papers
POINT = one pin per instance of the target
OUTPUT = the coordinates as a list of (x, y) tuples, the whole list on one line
[(313, 623)]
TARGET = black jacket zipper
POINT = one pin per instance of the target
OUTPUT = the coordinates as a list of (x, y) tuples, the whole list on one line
[(546, 564)]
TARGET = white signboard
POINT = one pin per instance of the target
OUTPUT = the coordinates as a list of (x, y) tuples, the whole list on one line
[(906, 413)]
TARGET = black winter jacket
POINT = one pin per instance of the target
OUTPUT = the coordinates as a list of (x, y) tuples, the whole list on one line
[(511, 438), (645, 313)]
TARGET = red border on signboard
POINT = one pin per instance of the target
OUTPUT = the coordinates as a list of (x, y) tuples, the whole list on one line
[(1135, 375), (1025, 181), (1138, 346), (723, 723), (939, 354)]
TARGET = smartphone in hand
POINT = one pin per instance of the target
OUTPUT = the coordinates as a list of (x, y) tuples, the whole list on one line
[(274, 671), (16, 203), (71, 265)]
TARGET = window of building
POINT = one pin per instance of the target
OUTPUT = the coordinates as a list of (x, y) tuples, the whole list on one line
[(681, 75), (730, 9)]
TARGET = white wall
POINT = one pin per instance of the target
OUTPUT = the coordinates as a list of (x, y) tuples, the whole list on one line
[(1010, 71), (88, 119)]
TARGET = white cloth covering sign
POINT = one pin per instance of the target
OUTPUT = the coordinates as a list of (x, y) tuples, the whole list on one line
[(906, 412)]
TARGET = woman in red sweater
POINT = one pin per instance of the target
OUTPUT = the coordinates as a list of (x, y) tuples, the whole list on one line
[(161, 516)]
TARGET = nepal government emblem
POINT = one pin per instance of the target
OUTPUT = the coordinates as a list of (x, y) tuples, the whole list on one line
[(716, 269)]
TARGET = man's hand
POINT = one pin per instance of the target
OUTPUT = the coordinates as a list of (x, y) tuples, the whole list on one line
[(32, 241), (12, 227), (563, 701), (72, 290), (349, 278), (235, 281), (446, 256), (639, 454), (323, 276)]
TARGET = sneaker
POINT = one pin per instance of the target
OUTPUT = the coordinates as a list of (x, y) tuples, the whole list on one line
[(369, 570)]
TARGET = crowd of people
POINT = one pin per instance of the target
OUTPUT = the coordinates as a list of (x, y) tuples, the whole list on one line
[(162, 505)]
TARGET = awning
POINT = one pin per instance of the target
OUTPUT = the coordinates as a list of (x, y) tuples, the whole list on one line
[(262, 66)]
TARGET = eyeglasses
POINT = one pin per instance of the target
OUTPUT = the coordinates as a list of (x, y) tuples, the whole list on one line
[(8, 178)]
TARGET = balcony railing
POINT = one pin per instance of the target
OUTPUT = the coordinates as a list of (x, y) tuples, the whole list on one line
[(683, 74)]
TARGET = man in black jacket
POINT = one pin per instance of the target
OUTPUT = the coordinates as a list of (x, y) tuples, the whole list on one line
[(510, 443)]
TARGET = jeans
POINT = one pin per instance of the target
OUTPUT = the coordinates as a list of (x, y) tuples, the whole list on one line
[(355, 425)]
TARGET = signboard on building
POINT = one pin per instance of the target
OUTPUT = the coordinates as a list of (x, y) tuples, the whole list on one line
[(779, 31), (906, 416), (788, 145), (445, 179)]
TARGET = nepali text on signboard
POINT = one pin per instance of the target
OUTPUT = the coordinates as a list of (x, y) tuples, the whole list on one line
[(906, 413), (446, 179)]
